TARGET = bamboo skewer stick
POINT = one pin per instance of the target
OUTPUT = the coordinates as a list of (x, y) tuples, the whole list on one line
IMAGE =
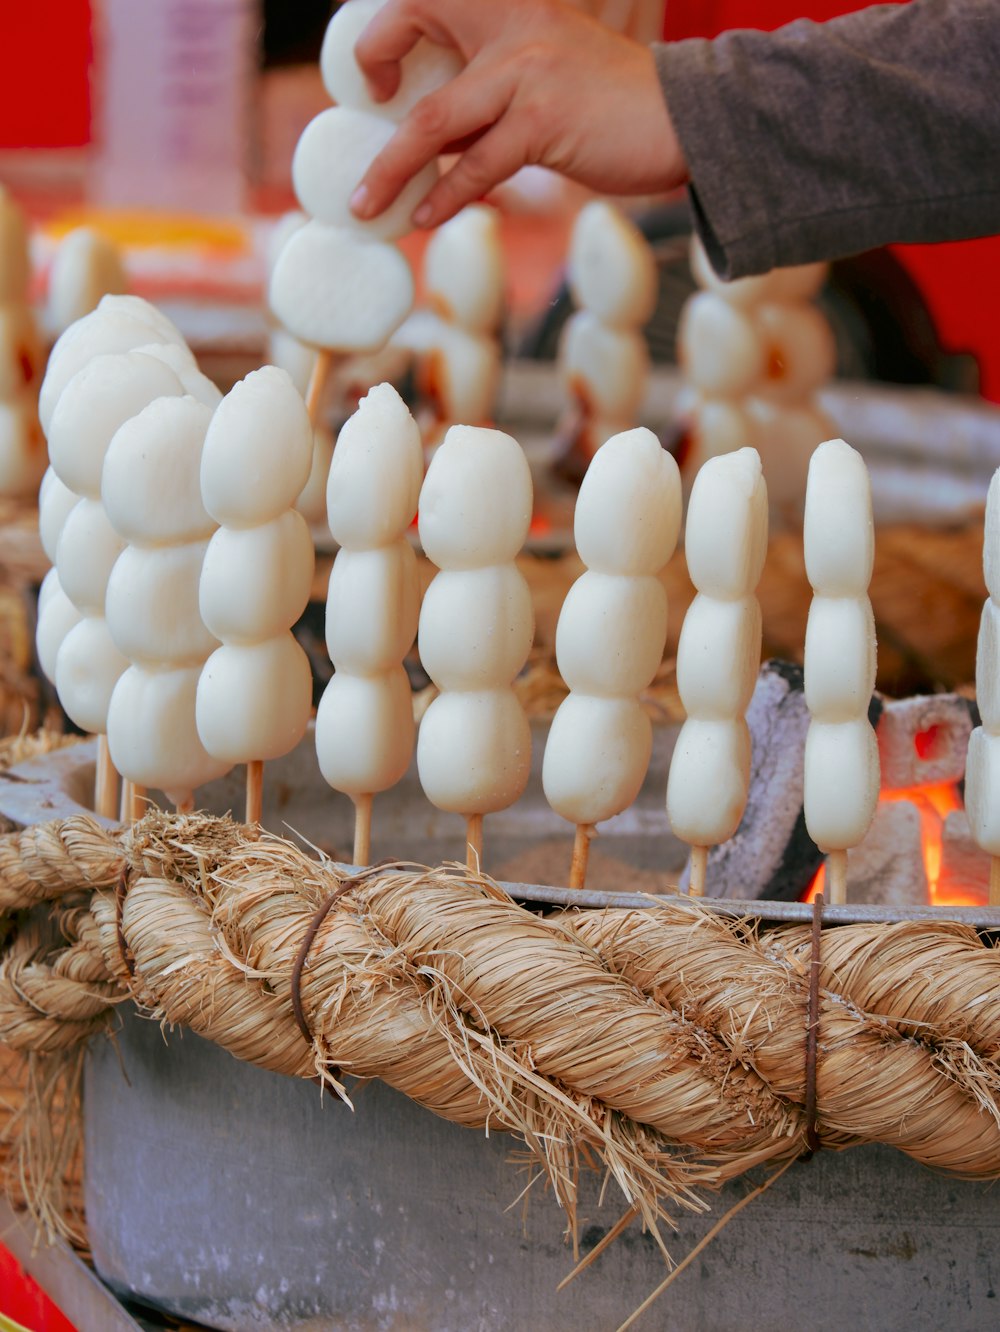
[(137, 802), (474, 841), (699, 869), (325, 360), (581, 855), (836, 878), (995, 881), (362, 829), (255, 792), (125, 807), (105, 781)]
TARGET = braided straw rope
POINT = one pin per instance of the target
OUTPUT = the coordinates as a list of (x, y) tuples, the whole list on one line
[(668, 1044)]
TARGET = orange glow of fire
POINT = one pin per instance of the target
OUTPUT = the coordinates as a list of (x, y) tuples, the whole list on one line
[(933, 803)]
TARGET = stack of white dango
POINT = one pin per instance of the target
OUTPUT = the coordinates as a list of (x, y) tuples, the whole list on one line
[(755, 352), (982, 771), (340, 284), (86, 266), (364, 724), (841, 759), (718, 654), (151, 492), (611, 634), (603, 357), (22, 448), (459, 360), (476, 626), (104, 369), (255, 691)]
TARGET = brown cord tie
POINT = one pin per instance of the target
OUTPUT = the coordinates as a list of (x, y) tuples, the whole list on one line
[(813, 1143), (121, 892), (308, 939)]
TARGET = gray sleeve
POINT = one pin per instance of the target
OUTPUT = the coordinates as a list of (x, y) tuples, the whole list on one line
[(825, 139)]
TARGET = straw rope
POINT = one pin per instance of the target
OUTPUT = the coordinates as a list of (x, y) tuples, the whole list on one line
[(666, 1044)]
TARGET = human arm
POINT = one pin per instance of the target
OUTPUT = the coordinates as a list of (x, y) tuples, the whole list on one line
[(543, 84), (825, 139)]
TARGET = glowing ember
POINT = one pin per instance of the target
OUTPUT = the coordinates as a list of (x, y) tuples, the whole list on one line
[(933, 803)]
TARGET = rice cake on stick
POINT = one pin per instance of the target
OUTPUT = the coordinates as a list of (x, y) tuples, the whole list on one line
[(841, 779), (254, 693), (340, 284), (718, 654), (611, 635), (476, 627), (982, 772), (364, 724)]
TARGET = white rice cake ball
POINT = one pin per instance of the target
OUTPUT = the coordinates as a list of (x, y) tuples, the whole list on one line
[(800, 353), (709, 780), (54, 503), (257, 453), (462, 375), (254, 700), (725, 539), (605, 369), (476, 627), (982, 790), (86, 267), (628, 512), (335, 150), (611, 633), (988, 668), (56, 617), (88, 666), (152, 734), (991, 538), (841, 782), (102, 396), (119, 324), (426, 68), (839, 534), (151, 481), (373, 601), (596, 757), (376, 472), (464, 271), (840, 658), (611, 267), (365, 731), (337, 289), (718, 656), (720, 349), (476, 500), (152, 605), (474, 751), (255, 581), (87, 550)]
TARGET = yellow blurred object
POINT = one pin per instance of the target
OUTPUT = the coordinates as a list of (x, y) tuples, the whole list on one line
[(151, 229)]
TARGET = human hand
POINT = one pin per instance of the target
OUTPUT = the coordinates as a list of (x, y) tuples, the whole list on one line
[(543, 84)]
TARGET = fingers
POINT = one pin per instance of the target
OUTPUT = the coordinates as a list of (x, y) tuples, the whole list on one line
[(391, 35), (493, 158), (461, 109)]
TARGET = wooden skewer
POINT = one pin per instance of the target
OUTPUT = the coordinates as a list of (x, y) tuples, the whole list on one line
[(362, 829), (125, 807), (699, 869), (995, 881), (137, 803), (255, 791), (105, 781), (836, 878), (581, 854), (317, 382), (474, 841)]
